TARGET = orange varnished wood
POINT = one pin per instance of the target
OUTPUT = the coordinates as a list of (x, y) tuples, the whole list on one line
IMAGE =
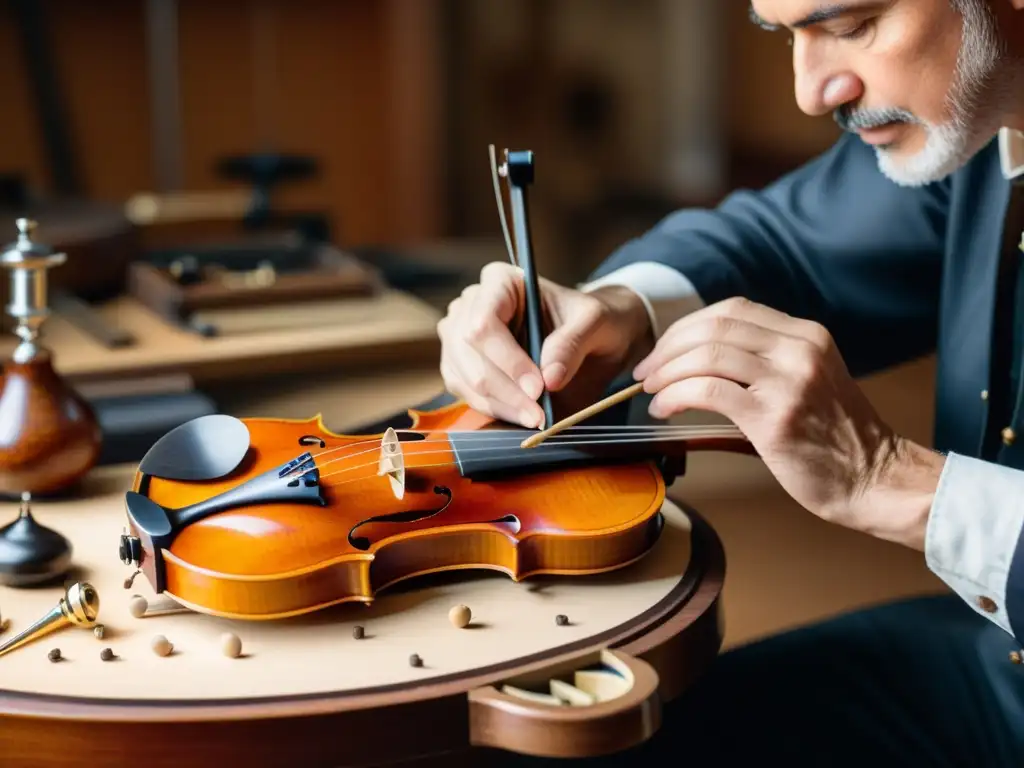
[(276, 560), (49, 436)]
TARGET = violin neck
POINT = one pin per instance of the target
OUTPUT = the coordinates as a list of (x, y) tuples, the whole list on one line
[(483, 454)]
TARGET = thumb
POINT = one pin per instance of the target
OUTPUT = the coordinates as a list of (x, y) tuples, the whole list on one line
[(565, 349)]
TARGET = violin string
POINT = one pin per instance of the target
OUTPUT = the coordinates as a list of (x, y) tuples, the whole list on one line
[(678, 433), (582, 431), (520, 434), (516, 436), (462, 451), (450, 463)]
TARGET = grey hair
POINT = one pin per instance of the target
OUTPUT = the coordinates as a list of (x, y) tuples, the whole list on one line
[(966, 6), (982, 48)]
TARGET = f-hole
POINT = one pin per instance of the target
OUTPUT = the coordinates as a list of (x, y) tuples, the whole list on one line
[(312, 440), (412, 516)]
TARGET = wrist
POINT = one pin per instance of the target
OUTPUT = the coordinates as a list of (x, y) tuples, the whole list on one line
[(630, 316), (900, 502)]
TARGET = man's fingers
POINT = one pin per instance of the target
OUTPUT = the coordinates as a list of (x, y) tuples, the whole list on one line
[(759, 314), (480, 319), (715, 359), (682, 338), (497, 344), (489, 407), (732, 320), (704, 393), (487, 388), (564, 351), (482, 363)]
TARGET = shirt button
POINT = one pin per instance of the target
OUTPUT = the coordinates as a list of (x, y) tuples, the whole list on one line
[(1015, 657), (984, 394), (987, 604), (1009, 436)]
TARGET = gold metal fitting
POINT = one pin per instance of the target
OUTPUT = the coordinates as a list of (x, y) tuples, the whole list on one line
[(79, 607)]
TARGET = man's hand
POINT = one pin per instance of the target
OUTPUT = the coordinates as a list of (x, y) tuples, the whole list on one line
[(593, 337), (782, 381)]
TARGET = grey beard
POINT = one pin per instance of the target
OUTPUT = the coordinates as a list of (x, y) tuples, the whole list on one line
[(970, 105)]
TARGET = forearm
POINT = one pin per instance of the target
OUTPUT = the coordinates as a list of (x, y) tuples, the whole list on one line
[(664, 293), (899, 500), (833, 242), (633, 316)]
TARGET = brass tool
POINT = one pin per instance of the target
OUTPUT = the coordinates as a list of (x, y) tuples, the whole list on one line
[(79, 607)]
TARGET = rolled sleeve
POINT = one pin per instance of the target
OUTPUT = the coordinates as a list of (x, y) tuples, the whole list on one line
[(973, 538), (667, 293)]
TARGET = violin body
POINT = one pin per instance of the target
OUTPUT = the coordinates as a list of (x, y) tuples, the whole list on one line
[(309, 519)]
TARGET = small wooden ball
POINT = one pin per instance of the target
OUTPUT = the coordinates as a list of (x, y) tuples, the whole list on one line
[(460, 616), (161, 645), (106, 654), (137, 606), (54, 655), (562, 620), (230, 645), (358, 633), (415, 660)]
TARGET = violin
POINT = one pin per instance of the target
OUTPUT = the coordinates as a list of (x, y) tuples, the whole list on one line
[(264, 518)]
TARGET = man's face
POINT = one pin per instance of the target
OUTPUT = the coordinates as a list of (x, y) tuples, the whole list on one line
[(916, 79)]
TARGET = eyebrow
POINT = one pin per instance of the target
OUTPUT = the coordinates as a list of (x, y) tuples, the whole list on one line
[(827, 13)]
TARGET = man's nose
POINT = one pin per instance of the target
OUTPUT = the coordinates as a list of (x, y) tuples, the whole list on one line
[(821, 89)]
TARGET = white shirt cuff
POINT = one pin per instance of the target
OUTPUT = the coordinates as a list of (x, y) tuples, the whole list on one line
[(973, 530), (666, 292)]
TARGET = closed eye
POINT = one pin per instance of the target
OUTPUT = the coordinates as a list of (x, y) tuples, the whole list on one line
[(859, 31)]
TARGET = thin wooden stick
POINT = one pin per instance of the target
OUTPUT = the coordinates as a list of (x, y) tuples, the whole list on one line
[(603, 405)]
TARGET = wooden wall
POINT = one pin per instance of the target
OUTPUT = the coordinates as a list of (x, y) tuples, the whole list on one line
[(356, 85), (761, 113), (364, 86)]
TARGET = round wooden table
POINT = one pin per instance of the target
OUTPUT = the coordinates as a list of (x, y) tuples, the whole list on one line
[(548, 666)]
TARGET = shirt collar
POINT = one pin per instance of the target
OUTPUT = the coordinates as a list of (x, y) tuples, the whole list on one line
[(1011, 152)]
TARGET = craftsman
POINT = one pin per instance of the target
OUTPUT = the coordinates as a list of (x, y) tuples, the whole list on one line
[(900, 240)]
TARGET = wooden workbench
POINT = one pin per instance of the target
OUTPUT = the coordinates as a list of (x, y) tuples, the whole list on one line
[(336, 335)]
